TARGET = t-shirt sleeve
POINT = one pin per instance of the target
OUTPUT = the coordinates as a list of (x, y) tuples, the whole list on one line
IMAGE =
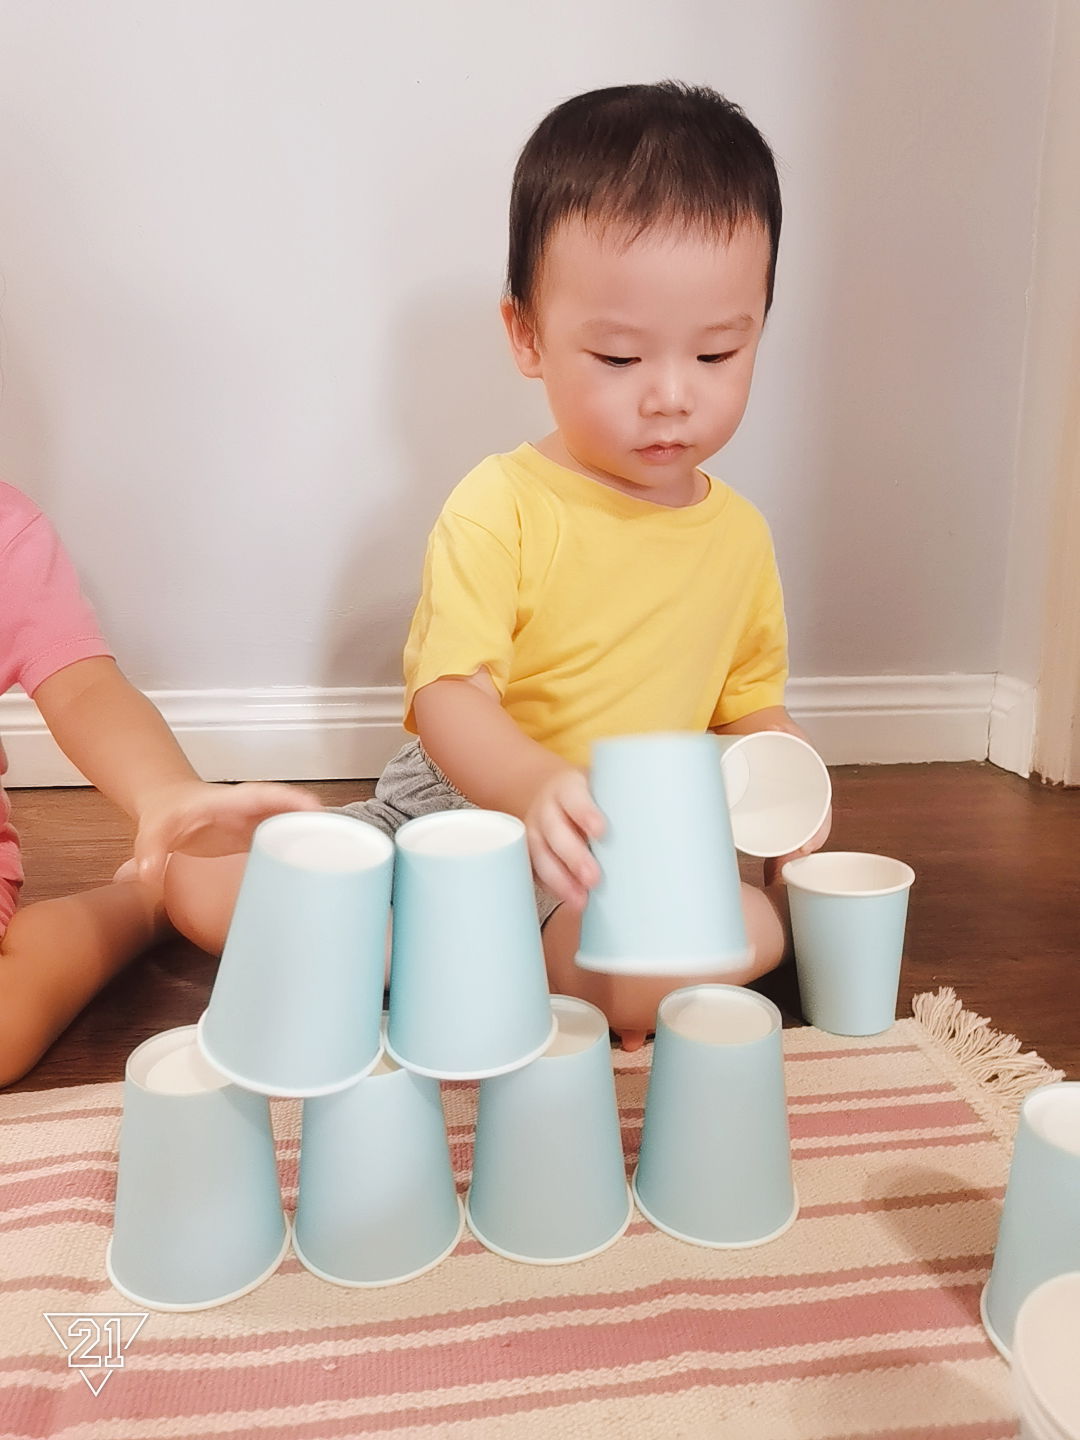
[(759, 667), (46, 622), (468, 607)]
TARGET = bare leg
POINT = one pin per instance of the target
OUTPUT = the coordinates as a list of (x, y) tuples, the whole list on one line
[(200, 896), (629, 1001), (56, 955)]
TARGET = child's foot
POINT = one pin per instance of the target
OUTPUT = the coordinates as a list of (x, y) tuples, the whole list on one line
[(631, 1039)]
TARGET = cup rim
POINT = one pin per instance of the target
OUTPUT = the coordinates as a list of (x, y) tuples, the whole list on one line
[(175, 1307), (761, 1001), (714, 1244), (473, 815), (266, 831), (501, 1250), (168, 1041), (347, 1284), (792, 874), (1034, 1100), (279, 1092)]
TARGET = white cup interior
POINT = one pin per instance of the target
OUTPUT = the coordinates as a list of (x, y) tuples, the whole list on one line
[(845, 872), (335, 844), (579, 1025), (1054, 1113), (173, 1064), (459, 832), (1044, 1356), (718, 1015), (778, 792)]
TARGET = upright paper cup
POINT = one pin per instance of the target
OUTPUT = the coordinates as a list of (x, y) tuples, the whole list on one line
[(468, 989), (778, 790), (1039, 1236), (715, 1163), (377, 1203), (1046, 1376), (669, 900), (296, 1006), (549, 1179), (198, 1218), (848, 915)]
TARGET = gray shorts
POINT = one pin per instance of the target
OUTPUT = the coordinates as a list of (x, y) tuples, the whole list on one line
[(412, 785)]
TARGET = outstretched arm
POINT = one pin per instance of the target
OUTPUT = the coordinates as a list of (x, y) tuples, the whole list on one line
[(121, 743), (468, 734)]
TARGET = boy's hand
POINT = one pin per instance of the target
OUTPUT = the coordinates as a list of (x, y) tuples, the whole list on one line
[(560, 821), (774, 866), (203, 819)]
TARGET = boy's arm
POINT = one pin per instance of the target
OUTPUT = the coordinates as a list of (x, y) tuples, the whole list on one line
[(112, 733), (480, 749), (772, 717)]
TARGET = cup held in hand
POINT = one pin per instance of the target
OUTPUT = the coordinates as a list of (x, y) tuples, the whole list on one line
[(669, 899), (778, 790)]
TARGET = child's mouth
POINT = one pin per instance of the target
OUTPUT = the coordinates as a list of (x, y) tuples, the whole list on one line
[(659, 453)]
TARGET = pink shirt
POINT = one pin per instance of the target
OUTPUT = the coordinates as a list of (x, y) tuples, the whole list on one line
[(45, 622)]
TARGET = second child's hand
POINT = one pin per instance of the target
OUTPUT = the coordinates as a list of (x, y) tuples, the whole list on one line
[(559, 823)]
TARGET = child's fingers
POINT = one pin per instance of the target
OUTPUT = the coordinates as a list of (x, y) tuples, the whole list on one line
[(554, 876), (565, 840), (578, 804)]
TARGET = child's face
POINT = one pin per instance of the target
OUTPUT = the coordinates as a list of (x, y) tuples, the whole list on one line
[(646, 350)]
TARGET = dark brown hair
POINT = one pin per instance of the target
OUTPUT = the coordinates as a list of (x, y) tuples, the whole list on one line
[(636, 156)]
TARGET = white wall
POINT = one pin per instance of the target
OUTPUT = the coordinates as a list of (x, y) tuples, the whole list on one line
[(250, 253)]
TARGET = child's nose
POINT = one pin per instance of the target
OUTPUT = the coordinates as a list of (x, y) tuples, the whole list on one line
[(668, 393)]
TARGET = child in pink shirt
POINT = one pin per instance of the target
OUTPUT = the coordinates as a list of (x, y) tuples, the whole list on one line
[(55, 955)]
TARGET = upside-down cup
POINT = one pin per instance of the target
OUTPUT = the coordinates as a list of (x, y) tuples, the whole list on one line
[(715, 1163), (377, 1204), (1039, 1234), (778, 790), (848, 916), (549, 1179), (198, 1219), (1046, 1378), (669, 899), (468, 988), (297, 1002)]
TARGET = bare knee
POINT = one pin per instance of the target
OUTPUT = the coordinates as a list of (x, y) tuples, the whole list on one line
[(200, 896)]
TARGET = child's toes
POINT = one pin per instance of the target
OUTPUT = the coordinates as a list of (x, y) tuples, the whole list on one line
[(632, 1039), (128, 871)]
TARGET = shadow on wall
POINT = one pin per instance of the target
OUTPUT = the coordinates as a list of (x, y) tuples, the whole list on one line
[(453, 396)]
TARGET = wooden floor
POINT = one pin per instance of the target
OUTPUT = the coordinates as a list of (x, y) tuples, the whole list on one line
[(995, 911)]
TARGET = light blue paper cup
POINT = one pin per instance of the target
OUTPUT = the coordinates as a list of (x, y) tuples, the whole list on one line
[(377, 1204), (296, 1005), (1046, 1379), (778, 790), (198, 1218), (848, 915), (549, 1178), (669, 899), (468, 988), (1039, 1235), (715, 1163)]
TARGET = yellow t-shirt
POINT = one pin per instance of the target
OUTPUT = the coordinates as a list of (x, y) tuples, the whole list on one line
[(596, 613)]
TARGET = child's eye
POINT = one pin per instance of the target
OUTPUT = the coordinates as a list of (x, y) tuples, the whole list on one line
[(619, 361), (717, 359)]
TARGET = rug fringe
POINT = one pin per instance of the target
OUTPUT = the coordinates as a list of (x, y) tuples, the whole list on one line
[(989, 1056)]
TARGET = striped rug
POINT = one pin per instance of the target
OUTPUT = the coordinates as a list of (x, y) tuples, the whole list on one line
[(862, 1321)]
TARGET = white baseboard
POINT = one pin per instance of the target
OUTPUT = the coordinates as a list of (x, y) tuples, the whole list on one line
[(341, 734), (1012, 725)]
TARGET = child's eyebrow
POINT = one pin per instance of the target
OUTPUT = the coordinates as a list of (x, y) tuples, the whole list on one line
[(601, 326)]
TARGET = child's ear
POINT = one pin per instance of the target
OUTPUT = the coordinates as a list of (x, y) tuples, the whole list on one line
[(523, 341)]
